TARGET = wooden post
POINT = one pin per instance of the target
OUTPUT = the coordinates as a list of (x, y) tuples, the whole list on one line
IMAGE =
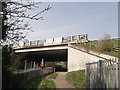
[(34, 65), (54, 70), (87, 75), (100, 74), (119, 73)]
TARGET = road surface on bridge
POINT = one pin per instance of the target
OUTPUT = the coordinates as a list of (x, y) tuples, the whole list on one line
[(61, 81)]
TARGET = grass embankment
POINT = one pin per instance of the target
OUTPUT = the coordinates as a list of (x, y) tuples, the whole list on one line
[(41, 82), (77, 78), (48, 83), (32, 83), (53, 76), (96, 46)]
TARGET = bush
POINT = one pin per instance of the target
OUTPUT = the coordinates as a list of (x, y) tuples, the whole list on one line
[(105, 43), (32, 83)]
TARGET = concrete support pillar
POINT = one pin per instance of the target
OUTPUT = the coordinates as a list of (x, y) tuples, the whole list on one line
[(25, 65)]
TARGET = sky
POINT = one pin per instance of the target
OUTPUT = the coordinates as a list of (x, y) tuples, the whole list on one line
[(75, 18)]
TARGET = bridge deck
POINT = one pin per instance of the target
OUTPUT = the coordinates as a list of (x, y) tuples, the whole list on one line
[(50, 45)]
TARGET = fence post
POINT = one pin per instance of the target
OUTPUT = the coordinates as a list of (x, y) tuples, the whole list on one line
[(34, 65), (54, 70), (119, 73), (117, 76), (87, 75), (100, 74)]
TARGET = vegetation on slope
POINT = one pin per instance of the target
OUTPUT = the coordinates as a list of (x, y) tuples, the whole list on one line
[(53, 76), (40, 82), (47, 84), (32, 83), (9, 80), (110, 47), (76, 78)]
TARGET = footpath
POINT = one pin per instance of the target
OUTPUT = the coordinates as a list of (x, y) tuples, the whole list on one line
[(61, 81)]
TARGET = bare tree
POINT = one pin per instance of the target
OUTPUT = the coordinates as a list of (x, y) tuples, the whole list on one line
[(106, 36), (14, 15)]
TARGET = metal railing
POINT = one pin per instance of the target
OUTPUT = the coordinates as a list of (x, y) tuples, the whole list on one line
[(56, 40)]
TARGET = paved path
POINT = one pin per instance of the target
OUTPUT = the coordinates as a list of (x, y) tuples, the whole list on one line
[(61, 81)]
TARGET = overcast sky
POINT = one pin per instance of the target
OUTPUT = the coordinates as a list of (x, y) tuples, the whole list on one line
[(73, 18)]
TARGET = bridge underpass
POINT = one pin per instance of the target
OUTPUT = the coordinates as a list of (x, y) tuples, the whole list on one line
[(69, 56), (52, 58)]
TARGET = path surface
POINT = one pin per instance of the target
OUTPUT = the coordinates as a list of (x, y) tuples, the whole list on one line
[(61, 81)]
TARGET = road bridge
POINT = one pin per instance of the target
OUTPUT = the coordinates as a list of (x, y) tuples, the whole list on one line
[(62, 55)]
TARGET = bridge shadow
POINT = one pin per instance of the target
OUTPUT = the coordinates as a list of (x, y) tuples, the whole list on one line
[(60, 69)]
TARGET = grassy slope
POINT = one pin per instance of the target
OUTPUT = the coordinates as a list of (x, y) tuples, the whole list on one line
[(76, 78), (93, 47), (47, 84), (53, 76), (40, 82), (32, 83)]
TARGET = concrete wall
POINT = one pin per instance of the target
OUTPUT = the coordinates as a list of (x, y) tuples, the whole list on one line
[(77, 59)]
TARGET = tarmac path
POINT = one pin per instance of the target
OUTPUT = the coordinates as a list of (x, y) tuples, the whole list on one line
[(61, 81)]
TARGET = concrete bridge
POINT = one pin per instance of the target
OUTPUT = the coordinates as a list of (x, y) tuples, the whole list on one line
[(75, 58)]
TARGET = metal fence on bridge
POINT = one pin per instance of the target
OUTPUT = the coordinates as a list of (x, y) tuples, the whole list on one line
[(56, 40), (102, 74)]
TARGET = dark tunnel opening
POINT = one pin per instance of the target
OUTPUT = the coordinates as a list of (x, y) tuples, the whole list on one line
[(52, 58)]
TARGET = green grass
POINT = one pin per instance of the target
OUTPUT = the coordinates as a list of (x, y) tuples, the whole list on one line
[(53, 76), (47, 84), (76, 78), (93, 45), (39, 82), (32, 83)]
